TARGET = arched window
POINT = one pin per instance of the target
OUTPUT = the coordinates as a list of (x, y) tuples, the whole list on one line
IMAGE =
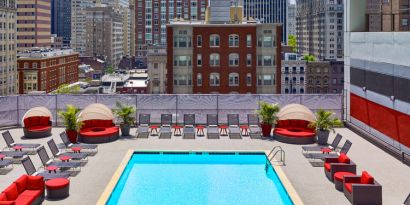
[(214, 79), (233, 40), (199, 79), (214, 59), (287, 91), (302, 80), (233, 59), (302, 90), (214, 40), (233, 79)]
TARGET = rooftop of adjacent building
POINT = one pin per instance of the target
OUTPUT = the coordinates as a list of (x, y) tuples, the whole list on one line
[(41, 53)]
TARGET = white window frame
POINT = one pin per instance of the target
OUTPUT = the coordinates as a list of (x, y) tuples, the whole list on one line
[(233, 60)]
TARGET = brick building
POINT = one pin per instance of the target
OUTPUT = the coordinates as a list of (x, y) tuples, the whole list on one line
[(45, 70), (223, 58), (318, 75), (393, 15)]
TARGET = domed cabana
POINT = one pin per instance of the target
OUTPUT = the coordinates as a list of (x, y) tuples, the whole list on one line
[(98, 124), (293, 124), (37, 122)]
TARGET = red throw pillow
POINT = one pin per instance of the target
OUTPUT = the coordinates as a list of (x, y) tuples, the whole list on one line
[(35, 121), (11, 192), (285, 123), (44, 120), (21, 183), (35, 183), (343, 158), (366, 178)]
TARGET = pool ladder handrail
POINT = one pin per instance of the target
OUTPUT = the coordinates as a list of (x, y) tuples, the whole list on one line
[(278, 149)]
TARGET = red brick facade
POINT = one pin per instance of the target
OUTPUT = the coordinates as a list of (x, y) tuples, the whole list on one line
[(50, 77)]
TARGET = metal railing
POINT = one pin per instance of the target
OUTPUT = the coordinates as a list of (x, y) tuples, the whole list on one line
[(275, 150)]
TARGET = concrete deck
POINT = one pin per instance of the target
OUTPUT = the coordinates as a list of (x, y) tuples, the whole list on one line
[(310, 182)]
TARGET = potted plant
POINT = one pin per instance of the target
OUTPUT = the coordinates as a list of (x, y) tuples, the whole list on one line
[(125, 113), (71, 123), (268, 114), (324, 124)]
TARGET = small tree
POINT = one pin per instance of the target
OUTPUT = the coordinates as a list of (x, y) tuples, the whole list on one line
[(325, 121), (109, 69), (125, 112), (309, 58), (69, 117), (65, 89), (268, 112), (292, 43)]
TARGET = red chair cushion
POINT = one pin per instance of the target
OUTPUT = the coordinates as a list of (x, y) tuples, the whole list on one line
[(35, 183), (366, 178), (7, 203), (21, 183), (11, 192), (109, 131), (349, 187), (339, 175), (327, 166), (97, 123), (343, 158), (39, 128), (3, 197), (44, 120), (294, 132), (28, 197), (27, 122), (56, 184)]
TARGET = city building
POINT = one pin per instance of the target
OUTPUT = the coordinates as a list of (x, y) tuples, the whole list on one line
[(336, 76), (291, 19), (319, 28), (45, 70), (271, 11), (377, 80), (61, 20), (8, 59), (393, 15), (137, 83), (114, 82), (317, 75), (152, 17), (293, 74), (104, 29), (157, 69), (240, 57), (56, 42), (132, 28), (33, 24), (78, 24)]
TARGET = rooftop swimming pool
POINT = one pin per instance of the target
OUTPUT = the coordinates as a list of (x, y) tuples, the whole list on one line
[(199, 178)]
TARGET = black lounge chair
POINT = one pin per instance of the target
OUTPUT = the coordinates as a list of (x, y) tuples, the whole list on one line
[(344, 149), (47, 161), (165, 131), (69, 145), (254, 128), (11, 144), (189, 126), (318, 148), (233, 124), (57, 154), (143, 127), (31, 170), (212, 130)]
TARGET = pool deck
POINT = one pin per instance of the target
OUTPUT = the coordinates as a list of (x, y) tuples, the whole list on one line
[(310, 182)]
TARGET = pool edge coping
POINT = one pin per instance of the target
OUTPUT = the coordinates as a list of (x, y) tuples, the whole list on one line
[(103, 199)]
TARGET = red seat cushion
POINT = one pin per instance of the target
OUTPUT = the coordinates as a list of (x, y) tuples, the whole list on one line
[(35, 183), (366, 178), (27, 122), (339, 175), (44, 120), (327, 166), (28, 196), (109, 131), (39, 128), (295, 132), (58, 183), (11, 192), (343, 158), (21, 183), (349, 187), (3, 197)]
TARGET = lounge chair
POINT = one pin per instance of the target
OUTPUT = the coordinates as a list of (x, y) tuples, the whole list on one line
[(339, 164), (318, 148), (212, 130), (5, 162), (57, 154), (31, 170), (91, 147), (14, 154), (344, 149), (189, 126), (19, 146), (363, 190), (407, 200), (143, 127), (165, 131), (254, 128), (233, 123), (48, 162)]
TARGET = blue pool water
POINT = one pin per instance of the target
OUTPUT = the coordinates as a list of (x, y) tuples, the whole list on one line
[(199, 179)]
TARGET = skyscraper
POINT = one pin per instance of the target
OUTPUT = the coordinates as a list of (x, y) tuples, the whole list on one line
[(291, 19), (268, 11), (61, 20), (33, 24), (8, 59), (393, 15), (78, 30), (319, 28)]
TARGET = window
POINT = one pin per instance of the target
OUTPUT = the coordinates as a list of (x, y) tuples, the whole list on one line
[(302, 80), (233, 79), (233, 40), (199, 60), (214, 79), (199, 79), (334, 81), (267, 80), (302, 69), (267, 60), (25, 65), (293, 69), (267, 41), (155, 65), (214, 59), (248, 59), (34, 65), (248, 79), (182, 61), (248, 40), (302, 90), (214, 40), (199, 41), (233, 59)]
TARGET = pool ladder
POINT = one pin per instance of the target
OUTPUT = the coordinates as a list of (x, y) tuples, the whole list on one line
[(275, 150)]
